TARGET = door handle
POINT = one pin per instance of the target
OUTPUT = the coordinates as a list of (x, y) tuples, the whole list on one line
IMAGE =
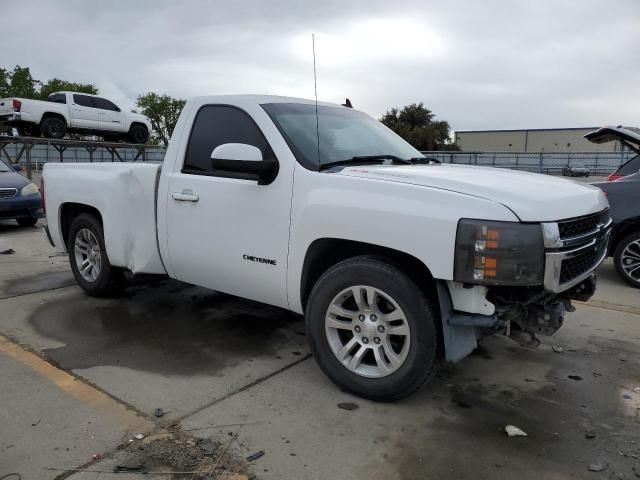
[(185, 196)]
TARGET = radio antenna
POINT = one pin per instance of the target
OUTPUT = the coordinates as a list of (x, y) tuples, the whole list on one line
[(315, 88)]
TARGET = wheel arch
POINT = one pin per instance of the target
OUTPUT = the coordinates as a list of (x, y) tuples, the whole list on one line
[(627, 227), (69, 212), (138, 123), (324, 253), (46, 115)]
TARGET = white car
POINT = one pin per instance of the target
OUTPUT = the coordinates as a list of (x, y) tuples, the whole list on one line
[(74, 112), (395, 262)]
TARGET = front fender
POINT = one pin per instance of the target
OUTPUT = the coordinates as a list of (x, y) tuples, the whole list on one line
[(416, 220)]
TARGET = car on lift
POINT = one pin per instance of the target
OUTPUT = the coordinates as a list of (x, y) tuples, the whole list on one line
[(624, 200), (19, 197)]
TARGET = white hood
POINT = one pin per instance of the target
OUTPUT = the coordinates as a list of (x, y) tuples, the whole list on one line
[(531, 196)]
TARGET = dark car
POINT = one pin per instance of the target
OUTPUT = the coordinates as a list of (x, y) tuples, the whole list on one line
[(629, 137), (19, 197), (624, 199), (575, 170)]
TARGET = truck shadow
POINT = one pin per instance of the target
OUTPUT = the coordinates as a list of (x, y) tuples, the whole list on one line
[(168, 327)]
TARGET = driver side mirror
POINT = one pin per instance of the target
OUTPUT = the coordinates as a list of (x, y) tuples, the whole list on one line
[(244, 159)]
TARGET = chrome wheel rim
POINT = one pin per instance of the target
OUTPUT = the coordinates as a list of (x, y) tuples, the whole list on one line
[(367, 331), (87, 254), (631, 260)]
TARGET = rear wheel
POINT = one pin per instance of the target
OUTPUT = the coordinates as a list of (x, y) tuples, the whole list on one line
[(53, 127), (88, 257), (372, 330), (139, 134), (626, 258)]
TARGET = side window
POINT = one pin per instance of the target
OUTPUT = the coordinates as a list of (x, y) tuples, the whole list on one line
[(215, 125), (104, 104), (58, 98), (83, 100), (632, 166)]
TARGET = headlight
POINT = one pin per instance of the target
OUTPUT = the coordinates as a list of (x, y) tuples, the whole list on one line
[(499, 253), (29, 189)]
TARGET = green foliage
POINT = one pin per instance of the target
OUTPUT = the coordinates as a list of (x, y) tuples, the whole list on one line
[(163, 111), (57, 85), (416, 125), (20, 83)]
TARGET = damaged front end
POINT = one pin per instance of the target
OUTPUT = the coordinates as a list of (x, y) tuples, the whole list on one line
[(519, 279), (525, 314)]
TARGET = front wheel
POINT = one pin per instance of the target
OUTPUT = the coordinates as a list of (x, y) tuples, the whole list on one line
[(88, 257), (626, 258), (372, 330), (139, 134), (27, 221)]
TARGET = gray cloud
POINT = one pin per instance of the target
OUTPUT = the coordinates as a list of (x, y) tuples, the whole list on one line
[(489, 64)]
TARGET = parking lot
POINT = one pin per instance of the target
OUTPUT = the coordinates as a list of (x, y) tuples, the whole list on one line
[(82, 376)]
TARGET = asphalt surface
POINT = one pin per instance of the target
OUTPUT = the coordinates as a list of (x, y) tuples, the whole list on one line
[(80, 377)]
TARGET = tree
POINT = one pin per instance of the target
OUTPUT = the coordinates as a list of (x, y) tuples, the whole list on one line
[(415, 123), (20, 83), (57, 85), (163, 111)]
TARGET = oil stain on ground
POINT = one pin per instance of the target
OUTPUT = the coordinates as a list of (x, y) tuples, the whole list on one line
[(468, 439), (36, 283), (168, 328)]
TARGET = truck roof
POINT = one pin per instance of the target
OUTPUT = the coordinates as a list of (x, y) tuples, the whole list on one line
[(262, 99)]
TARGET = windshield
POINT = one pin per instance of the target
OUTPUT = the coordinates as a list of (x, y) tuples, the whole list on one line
[(344, 134), (4, 167)]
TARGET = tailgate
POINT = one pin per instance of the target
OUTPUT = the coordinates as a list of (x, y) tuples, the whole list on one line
[(628, 136), (6, 105)]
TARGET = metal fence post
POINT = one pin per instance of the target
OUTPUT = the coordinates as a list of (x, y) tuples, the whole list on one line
[(29, 147), (540, 162)]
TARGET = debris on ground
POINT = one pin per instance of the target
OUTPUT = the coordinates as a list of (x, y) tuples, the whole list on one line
[(139, 436), (8, 251), (597, 467), (159, 412), (95, 456), (636, 389), (574, 377), (348, 406), (557, 349), (626, 396), (207, 446), (589, 434), (514, 431), (255, 456)]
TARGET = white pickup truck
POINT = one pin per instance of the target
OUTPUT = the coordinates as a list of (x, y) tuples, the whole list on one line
[(397, 262), (73, 112)]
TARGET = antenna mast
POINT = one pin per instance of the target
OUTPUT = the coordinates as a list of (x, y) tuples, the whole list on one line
[(315, 88)]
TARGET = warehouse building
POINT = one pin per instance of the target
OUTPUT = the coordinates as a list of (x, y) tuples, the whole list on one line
[(532, 140)]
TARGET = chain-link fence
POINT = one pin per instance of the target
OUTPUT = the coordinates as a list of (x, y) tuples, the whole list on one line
[(598, 163)]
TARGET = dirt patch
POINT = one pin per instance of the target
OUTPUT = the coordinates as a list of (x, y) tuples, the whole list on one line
[(179, 452)]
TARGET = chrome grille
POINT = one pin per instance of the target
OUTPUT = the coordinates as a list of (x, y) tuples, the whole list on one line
[(8, 192), (580, 226), (574, 248)]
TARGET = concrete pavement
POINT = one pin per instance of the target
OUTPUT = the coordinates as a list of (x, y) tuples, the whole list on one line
[(225, 366)]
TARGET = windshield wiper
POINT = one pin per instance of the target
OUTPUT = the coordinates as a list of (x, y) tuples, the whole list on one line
[(424, 160), (365, 159)]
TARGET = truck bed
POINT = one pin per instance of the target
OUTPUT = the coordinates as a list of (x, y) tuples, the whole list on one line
[(125, 196)]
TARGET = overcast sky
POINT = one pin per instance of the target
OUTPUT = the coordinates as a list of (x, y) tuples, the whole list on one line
[(478, 64)]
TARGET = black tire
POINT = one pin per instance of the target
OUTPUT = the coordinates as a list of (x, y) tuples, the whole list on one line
[(138, 134), (423, 354), (53, 127), (617, 258), (27, 222), (110, 279)]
